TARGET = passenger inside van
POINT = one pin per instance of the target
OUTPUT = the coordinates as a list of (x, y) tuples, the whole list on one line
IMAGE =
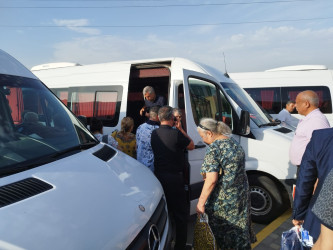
[(151, 99), (96, 127), (32, 127), (285, 114)]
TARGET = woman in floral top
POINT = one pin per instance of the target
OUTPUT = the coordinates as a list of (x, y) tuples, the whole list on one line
[(126, 140), (225, 195)]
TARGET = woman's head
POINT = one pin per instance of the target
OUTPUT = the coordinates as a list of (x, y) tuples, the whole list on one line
[(208, 129), (177, 113), (127, 124)]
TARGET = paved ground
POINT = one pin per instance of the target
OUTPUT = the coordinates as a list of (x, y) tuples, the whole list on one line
[(269, 236)]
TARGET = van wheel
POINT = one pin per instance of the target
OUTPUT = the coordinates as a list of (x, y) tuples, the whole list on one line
[(266, 199)]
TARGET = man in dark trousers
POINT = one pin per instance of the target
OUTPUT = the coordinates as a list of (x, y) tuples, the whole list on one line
[(317, 162), (169, 147)]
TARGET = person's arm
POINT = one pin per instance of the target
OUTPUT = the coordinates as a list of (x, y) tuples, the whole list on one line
[(190, 146), (210, 182), (305, 184), (112, 141), (325, 239)]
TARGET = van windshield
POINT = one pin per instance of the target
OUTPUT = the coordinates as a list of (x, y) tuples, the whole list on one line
[(35, 127), (258, 115)]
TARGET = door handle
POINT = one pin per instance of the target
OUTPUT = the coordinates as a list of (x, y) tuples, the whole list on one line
[(199, 146)]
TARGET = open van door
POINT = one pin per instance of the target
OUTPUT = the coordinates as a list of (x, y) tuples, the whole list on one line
[(203, 97)]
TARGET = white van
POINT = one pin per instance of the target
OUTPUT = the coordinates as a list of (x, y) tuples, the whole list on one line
[(111, 91), (60, 188), (273, 88)]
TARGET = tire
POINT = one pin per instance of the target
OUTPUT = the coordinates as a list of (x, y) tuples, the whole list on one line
[(266, 199)]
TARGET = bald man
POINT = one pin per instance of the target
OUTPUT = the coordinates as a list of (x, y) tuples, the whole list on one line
[(307, 103)]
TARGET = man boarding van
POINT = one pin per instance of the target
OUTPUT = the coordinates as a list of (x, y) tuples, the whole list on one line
[(273, 88), (111, 91), (60, 188)]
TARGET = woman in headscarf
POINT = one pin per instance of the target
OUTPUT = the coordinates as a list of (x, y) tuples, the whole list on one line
[(225, 196)]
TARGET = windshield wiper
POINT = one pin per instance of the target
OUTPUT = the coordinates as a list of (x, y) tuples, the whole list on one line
[(277, 122), (19, 167)]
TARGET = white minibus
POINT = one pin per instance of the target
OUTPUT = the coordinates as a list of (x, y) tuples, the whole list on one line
[(271, 89), (60, 188), (111, 91)]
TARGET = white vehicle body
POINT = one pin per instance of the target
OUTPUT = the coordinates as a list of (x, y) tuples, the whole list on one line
[(285, 83), (64, 189), (199, 91)]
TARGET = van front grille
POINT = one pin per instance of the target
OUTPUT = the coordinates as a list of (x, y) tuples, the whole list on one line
[(21, 190), (159, 219)]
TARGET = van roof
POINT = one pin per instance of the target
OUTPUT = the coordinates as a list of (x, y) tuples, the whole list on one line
[(10, 66), (299, 68), (54, 65), (47, 72)]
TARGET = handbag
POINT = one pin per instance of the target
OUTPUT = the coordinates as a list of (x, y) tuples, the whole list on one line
[(292, 240), (203, 236)]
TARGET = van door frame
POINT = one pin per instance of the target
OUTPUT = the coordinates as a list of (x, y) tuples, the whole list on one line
[(195, 180)]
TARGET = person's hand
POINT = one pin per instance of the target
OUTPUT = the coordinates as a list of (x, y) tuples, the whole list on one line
[(178, 125), (297, 223), (142, 110), (200, 208)]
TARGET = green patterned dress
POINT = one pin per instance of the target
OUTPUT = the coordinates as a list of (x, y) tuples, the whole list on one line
[(228, 206)]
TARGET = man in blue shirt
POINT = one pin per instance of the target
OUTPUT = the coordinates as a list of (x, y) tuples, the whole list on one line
[(144, 151)]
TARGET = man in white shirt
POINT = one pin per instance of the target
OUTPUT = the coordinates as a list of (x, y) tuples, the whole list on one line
[(307, 103), (284, 115)]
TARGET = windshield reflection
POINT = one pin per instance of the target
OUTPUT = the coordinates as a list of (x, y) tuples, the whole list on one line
[(258, 115), (35, 127)]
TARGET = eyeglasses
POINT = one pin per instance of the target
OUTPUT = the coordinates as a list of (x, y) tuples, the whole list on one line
[(203, 127)]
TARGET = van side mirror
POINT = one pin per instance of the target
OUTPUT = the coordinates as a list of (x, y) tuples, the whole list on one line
[(244, 123)]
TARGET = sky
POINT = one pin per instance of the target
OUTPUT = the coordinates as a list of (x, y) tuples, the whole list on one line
[(240, 35)]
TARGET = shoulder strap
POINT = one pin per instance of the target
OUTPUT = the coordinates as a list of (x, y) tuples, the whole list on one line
[(105, 139)]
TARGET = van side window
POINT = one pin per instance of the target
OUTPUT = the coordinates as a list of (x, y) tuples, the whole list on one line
[(100, 101), (82, 103), (207, 101), (105, 105), (226, 110), (323, 92), (62, 94), (268, 98), (181, 104), (203, 99)]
